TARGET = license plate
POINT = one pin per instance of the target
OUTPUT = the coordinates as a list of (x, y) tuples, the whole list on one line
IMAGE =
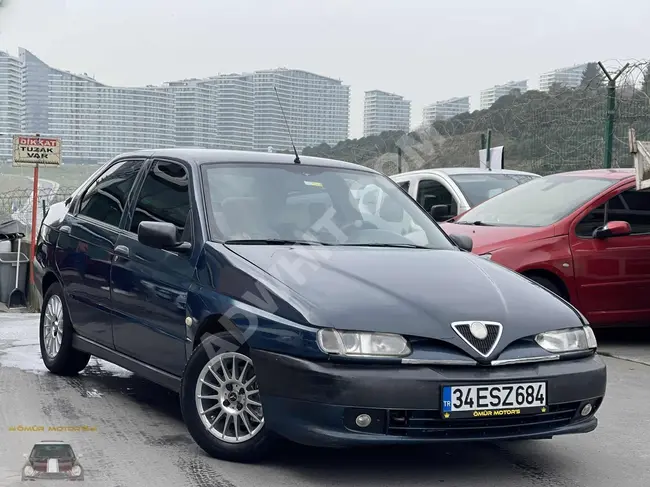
[(498, 400)]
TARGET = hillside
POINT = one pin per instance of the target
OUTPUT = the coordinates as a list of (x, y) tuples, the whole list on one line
[(543, 132)]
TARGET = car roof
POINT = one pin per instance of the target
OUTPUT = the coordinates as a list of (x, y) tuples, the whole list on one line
[(465, 170), (617, 174), (51, 442), (200, 156)]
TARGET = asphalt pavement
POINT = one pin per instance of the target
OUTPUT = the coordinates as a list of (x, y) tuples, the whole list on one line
[(130, 433)]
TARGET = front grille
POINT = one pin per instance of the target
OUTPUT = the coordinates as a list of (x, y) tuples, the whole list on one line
[(428, 423), (482, 346)]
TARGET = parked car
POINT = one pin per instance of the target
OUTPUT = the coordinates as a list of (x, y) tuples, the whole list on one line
[(448, 192), (253, 286), (584, 235), (52, 460)]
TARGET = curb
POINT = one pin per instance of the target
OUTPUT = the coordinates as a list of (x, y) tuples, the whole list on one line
[(627, 359)]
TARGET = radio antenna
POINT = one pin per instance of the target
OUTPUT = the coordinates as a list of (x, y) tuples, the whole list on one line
[(295, 151)]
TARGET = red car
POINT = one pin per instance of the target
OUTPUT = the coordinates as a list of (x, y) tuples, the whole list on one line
[(584, 235)]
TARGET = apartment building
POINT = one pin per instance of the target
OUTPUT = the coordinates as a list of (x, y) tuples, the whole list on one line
[(444, 110), (94, 121), (383, 111), (491, 95), (10, 103), (570, 77)]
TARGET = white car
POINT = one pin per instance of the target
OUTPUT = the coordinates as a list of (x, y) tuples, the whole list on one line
[(448, 192)]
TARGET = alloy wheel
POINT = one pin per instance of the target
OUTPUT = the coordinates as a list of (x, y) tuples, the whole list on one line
[(53, 326), (228, 398)]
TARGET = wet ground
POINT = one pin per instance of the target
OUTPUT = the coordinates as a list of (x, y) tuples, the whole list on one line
[(139, 438)]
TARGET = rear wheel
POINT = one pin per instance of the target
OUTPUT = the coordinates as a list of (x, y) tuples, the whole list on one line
[(221, 402), (55, 333)]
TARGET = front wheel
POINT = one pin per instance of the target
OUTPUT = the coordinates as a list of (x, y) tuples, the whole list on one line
[(221, 402), (548, 284), (55, 334)]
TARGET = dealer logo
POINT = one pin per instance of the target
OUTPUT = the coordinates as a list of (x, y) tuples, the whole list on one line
[(482, 336)]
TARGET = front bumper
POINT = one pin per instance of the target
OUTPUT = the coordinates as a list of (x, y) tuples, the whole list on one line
[(316, 403)]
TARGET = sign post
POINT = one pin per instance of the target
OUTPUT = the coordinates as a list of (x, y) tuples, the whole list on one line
[(35, 151)]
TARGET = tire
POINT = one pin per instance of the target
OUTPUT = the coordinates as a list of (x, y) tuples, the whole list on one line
[(66, 360), (226, 447), (548, 284)]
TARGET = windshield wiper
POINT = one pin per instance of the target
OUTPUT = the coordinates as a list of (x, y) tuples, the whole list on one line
[(394, 245), (273, 241), (478, 223)]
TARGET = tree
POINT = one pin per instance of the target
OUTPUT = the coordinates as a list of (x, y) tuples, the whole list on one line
[(592, 77)]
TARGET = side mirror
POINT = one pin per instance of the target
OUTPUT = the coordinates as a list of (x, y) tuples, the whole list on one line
[(439, 212), (612, 229), (161, 235), (463, 242)]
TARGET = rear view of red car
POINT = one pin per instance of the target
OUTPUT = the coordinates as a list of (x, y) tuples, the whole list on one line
[(584, 235)]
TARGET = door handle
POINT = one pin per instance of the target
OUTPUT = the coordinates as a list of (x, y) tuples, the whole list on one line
[(65, 229), (122, 250)]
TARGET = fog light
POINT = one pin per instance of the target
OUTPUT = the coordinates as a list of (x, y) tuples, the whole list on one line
[(363, 420), (586, 410)]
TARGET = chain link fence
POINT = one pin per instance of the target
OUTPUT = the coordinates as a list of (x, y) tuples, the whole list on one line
[(563, 129), (17, 204)]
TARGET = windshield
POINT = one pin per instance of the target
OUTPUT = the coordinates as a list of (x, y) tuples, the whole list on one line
[(52, 451), (478, 188), (252, 203), (539, 203)]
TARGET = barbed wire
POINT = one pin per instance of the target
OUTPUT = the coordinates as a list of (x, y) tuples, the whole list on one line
[(558, 130), (16, 204)]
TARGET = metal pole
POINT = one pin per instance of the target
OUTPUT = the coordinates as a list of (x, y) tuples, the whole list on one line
[(488, 146), (609, 122), (610, 116), (399, 160)]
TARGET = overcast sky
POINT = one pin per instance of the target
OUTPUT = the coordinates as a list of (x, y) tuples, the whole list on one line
[(425, 50)]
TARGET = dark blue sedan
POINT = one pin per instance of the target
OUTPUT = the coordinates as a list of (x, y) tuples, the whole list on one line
[(278, 303)]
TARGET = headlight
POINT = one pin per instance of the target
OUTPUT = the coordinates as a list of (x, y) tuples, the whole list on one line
[(360, 344), (76, 471), (487, 256), (29, 471), (570, 340)]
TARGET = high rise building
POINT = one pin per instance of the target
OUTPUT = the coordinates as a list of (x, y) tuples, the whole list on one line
[(230, 111), (10, 102), (94, 121), (444, 110), (195, 116), (235, 111), (317, 109), (383, 111), (491, 95), (570, 77)]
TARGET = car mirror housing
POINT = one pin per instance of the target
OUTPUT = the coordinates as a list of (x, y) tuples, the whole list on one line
[(161, 235), (612, 229), (440, 212), (463, 242)]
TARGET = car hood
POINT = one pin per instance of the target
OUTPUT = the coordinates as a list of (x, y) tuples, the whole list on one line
[(487, 239), (415, 292)]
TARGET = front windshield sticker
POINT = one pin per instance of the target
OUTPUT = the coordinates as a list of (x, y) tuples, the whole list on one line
[(314, 183)]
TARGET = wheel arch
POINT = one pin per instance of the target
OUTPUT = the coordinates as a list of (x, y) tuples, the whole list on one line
[(214, 324), (553, 278)]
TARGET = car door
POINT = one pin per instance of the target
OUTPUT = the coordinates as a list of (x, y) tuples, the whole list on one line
[(612, 275), (149, 286), (431, 192), (85, 248)]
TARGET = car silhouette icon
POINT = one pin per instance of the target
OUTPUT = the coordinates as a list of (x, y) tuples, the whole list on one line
[(51, 459)]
